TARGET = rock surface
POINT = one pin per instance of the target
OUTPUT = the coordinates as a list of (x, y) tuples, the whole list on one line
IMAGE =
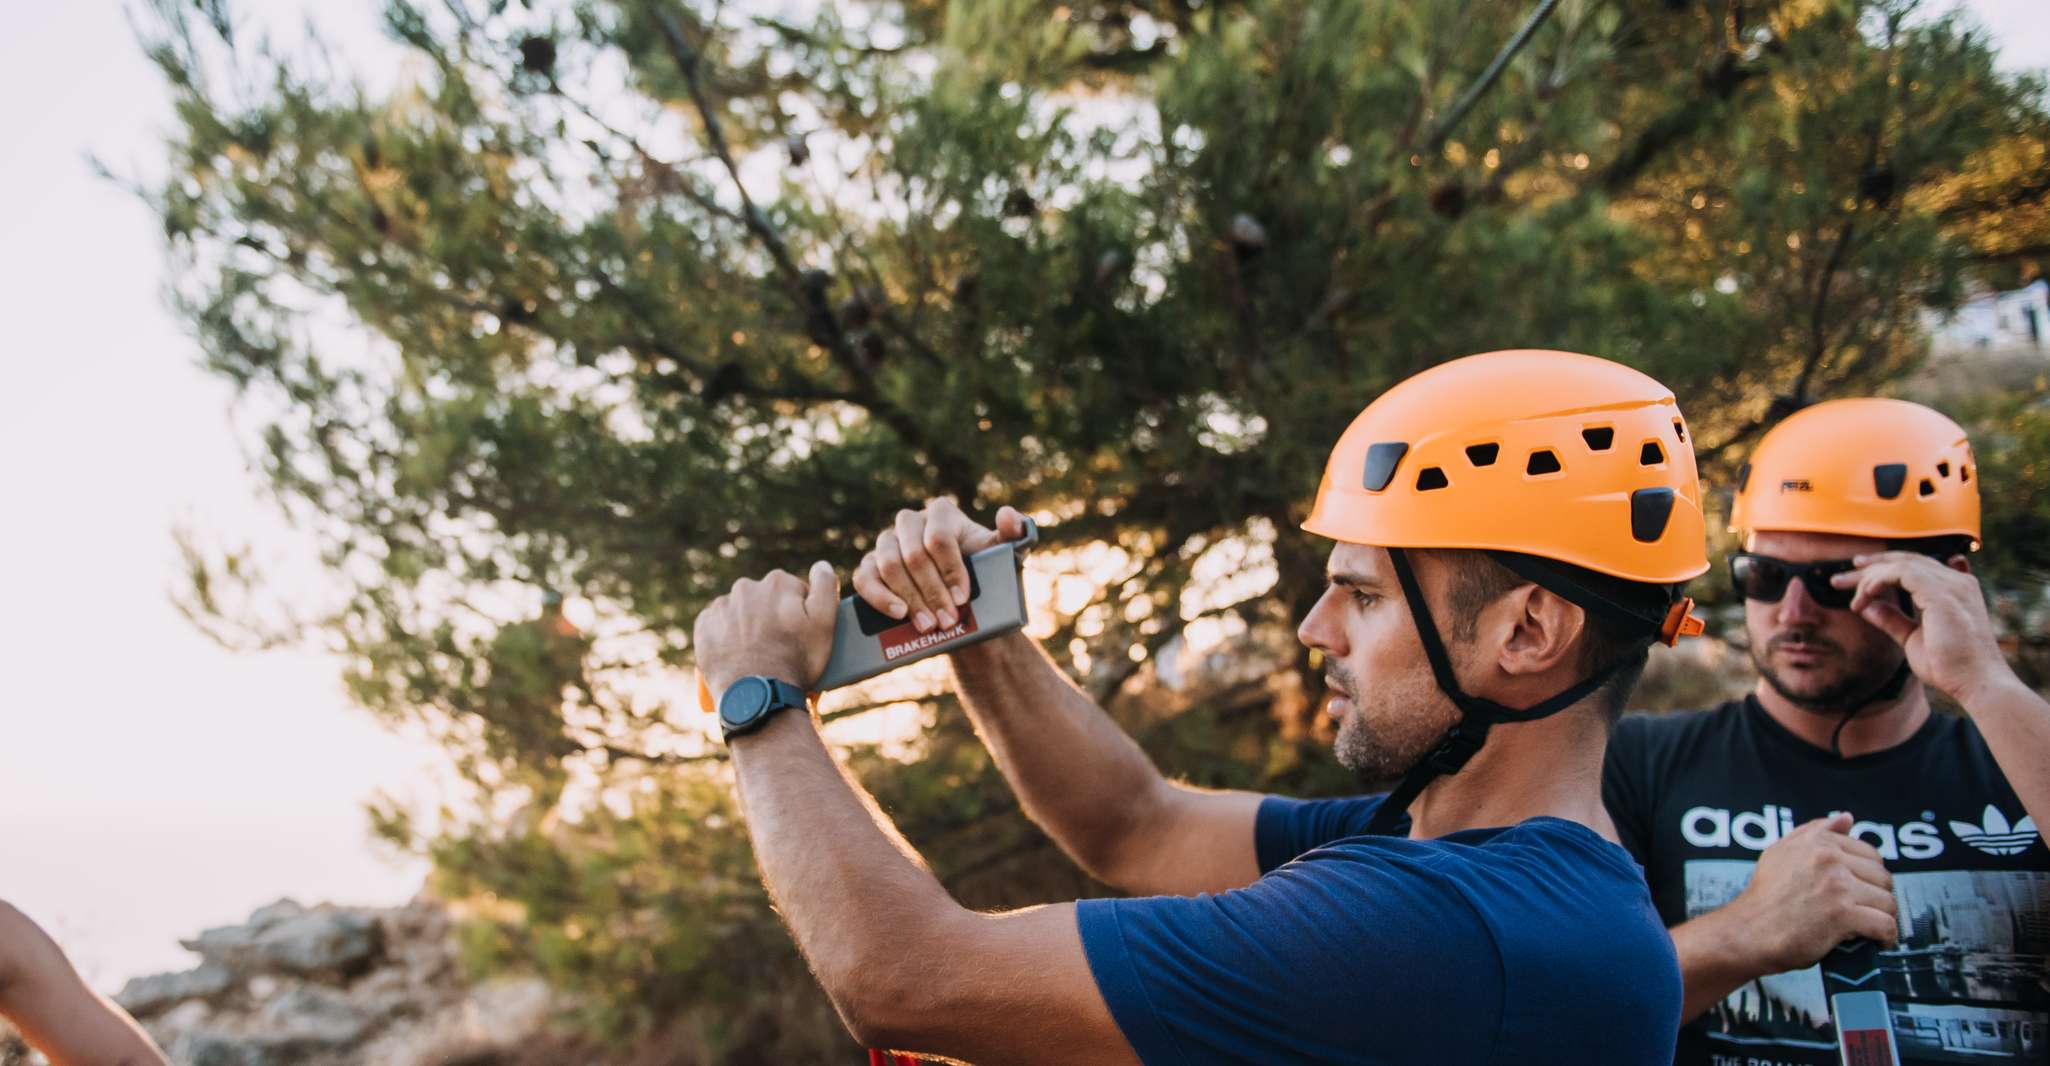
[(332, 986)]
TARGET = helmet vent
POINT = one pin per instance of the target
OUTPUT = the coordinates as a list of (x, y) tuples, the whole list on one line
[(1598, 438), (1651, 454), (1542, 461), (1943, 469), (1680, 429), (1964, 473), (1928, 487), (1482, 454), (1382, 458), (1744, 477), (1888, 478), (1650, 510), (1429, 478)]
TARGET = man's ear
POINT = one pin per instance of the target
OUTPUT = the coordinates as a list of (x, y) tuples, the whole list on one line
[(1545, 628), (1960, 564)]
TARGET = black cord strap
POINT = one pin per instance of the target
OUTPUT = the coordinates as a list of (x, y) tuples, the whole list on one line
[(1466, 738), (1886, 693)]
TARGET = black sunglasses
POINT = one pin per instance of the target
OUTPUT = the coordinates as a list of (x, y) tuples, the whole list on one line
[(1764, 578)]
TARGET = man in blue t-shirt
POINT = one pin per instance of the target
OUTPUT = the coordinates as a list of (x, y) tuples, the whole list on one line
[(1511, 532)]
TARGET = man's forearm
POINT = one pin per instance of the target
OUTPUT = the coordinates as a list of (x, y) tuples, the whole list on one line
[(1075, 772), (2016, 724), (853, 892), (1711, 964)]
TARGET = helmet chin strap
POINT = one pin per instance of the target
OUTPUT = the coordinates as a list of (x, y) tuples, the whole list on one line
[(1479, 714), (1886, 693)]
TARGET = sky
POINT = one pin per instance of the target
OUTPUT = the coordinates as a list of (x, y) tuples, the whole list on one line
[(151, 783)]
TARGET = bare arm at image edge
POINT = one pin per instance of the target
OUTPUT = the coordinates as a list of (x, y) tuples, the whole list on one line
[(56, 1012)]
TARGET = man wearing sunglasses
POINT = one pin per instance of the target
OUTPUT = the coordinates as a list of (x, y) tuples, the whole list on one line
[(1832, 808)]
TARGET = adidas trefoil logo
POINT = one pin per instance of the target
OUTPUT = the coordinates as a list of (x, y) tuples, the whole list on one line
[(1996, 837)]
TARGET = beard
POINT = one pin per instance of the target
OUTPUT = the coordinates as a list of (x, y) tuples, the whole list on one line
[(1850, 687), (1380, 751)]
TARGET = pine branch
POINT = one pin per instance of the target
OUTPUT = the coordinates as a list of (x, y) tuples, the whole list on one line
[(1444, 126), (823, 325)]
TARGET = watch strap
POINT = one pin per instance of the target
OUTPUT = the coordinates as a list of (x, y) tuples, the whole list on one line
[(782, 696)]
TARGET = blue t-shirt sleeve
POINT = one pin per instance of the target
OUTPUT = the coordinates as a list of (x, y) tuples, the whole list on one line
[(1349, 949), (1285, 828)]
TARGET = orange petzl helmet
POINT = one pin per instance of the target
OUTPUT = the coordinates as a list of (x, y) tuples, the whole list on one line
[(1562, 456), (1869, 468), (1573, 472)]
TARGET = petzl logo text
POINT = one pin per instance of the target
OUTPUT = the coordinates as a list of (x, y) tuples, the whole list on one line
[(1994, 836)]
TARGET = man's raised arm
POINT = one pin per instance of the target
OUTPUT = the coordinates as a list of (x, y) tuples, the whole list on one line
[(905, 965), (1077, 775)]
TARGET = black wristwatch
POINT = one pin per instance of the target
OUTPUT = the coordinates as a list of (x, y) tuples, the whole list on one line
[(750, 702)]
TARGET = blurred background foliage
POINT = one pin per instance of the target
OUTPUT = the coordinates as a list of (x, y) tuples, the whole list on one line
[(660, 294)]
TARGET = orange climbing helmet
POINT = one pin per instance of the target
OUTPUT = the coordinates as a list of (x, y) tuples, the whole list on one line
[(1869, 468), (1561, 456), (1573, 472)]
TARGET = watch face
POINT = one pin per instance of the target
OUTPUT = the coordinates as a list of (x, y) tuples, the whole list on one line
[(745, 701)]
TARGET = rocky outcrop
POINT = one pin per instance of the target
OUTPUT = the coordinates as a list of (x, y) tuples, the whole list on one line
[(335, 986), (285, 938)]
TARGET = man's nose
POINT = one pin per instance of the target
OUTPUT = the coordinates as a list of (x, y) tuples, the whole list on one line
[(1320, 628), (1798, 606)]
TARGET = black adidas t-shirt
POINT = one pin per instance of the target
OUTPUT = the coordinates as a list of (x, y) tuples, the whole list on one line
[(1698, 795)]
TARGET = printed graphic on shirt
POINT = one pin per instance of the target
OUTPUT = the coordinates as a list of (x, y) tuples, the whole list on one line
[(1757, 830), (1994, 835), (1966, 981)]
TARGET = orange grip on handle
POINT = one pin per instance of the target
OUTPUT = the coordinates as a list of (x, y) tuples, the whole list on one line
[(705, 696)]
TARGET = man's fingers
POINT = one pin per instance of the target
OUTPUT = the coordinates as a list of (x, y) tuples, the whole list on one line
[(1889, 619), (1876, 925), (1839, 823), (1010, 523), (942, 544), (1875, 898), (868, 584), (1871, 872), (895, 576), (1858, 848), (929, 596), (822, 599)]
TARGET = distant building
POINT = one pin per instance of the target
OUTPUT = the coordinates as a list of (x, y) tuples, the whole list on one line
[(2014, 323)]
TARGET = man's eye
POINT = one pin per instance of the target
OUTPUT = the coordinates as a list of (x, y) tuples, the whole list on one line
[(1364, 599)]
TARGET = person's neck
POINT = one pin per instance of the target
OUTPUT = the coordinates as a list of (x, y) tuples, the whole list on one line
[(1547, 768), (1875, 728)]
